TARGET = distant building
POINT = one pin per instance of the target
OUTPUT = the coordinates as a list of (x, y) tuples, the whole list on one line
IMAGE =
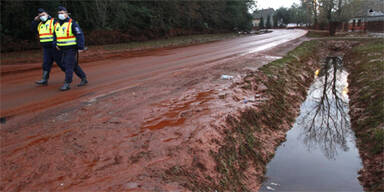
[(264, 13), (371, 21), (292, 25)]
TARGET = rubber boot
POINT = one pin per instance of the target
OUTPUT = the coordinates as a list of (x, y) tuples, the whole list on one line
[(65, 87), (83, 82), (44, 79)]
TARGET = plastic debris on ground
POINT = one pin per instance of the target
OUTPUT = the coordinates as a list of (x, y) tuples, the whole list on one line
[(226, 77), (275, 184)]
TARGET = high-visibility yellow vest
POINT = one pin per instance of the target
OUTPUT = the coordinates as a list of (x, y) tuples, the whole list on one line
[(46, 31), (64, 35)]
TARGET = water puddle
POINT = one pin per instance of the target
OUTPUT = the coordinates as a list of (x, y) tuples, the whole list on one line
[(319, 153)]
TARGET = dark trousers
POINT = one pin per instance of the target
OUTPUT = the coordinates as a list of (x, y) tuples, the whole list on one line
[(50, 55), (71, 65)]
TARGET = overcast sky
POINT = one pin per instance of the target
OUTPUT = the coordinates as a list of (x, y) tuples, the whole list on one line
[(262, 4)]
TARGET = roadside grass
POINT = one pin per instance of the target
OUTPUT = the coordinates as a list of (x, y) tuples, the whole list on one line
[(342, 35), (367, 79), (21, 57), (378, 135), (317, 34), (32, 56), (170, 42), (302, 52)]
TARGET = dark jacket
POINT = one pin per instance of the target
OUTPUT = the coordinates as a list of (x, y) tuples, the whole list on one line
[(76, 30), (35, 31)]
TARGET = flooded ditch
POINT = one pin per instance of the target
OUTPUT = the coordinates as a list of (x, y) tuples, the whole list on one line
[(320, 152)]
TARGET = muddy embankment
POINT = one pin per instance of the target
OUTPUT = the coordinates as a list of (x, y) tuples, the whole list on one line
[(207, 138), (366, 65), (249, 137)]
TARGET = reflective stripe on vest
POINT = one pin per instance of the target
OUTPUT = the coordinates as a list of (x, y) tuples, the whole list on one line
[(46, 31), (64, 35)]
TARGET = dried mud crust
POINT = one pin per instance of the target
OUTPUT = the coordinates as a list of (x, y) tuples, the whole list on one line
[(210, 135), (366, 66)]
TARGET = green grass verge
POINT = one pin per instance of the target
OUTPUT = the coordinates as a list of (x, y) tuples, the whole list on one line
[(317, 34), (367, 99), (170, 42), (368, 75), (32, 56)]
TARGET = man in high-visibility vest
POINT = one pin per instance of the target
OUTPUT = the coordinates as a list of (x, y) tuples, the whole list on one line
[(70, 41), (44, 25)]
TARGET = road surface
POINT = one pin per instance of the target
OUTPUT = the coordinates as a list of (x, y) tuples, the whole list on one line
[(138, 117), (19, 94)]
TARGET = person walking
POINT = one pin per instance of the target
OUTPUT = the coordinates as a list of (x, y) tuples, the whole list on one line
[(43, 24), (70, 41)]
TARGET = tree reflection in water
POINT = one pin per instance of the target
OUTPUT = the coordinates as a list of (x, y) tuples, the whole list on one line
[(325, 118)]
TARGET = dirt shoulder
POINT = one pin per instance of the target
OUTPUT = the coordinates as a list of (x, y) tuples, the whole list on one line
[(366, 65)]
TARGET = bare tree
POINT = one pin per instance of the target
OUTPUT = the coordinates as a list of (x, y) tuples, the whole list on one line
[(326, 123), (312, 9)]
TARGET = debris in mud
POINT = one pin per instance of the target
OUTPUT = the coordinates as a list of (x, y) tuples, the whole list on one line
[(222, 95), (226, 77), (114, 120), (2, 120)]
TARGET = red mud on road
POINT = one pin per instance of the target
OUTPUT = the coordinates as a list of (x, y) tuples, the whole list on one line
[(139, 117)]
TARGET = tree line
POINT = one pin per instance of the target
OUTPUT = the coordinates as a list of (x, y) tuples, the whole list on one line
[(323, 14), (110, 21)]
